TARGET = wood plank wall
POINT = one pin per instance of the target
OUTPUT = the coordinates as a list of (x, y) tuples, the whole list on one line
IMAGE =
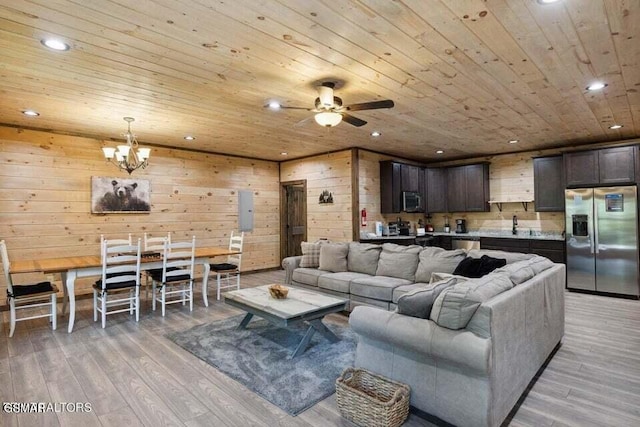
[(330, 172), (45, 198)]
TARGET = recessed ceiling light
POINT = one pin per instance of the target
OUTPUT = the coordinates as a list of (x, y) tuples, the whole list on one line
[(55, 44), (190, 138), (284, 153), (375, 133), (513, 141), (439, 151), (274, 105), (615, 127), (30, 113), (547, 1), (597, 86)]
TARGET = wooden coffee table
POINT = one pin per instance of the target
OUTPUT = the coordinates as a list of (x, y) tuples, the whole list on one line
[(300, 305)]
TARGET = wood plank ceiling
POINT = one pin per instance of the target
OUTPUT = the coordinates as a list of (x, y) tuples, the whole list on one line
[(466, 76)]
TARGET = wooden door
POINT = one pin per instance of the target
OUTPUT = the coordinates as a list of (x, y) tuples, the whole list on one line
[(293, 217)]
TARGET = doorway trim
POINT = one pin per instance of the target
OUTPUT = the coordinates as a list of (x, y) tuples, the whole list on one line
[(283, 213)]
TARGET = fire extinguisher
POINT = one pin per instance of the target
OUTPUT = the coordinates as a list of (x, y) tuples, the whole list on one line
[(363, 217)]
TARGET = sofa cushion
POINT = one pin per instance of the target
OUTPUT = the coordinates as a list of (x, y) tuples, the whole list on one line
[(455, 306), (521, 271), (308, 276), (310, 254), (333, 257), (377, 287), (404, 289), (339, 282), (436, 277), (398, 261), (437, 259), (418, 303), (508, 256), (478, 267), (363, 257)]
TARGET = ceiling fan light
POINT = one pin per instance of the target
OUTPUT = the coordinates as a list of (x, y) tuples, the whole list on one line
[(328, 119)]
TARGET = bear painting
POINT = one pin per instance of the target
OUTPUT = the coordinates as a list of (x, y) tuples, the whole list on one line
[(119, 195)]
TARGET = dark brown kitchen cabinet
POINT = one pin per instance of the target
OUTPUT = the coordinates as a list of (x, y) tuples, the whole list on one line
[(581, 168), (548, 180), (468, 188), (457, 189), (552, 249), (608, 166), (390, 184), (412, 179), (436, 190), (396, 178), (617, 165)]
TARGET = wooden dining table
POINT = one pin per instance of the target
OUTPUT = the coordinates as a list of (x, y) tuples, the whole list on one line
[(71, 268)]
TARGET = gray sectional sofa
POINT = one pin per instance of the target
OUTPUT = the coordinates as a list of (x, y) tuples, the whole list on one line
[(469, 362)]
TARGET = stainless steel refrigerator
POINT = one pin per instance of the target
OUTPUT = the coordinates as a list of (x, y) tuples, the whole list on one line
[(602, 239)]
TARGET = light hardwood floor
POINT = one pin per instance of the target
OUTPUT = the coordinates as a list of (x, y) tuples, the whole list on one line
[(133, 376)]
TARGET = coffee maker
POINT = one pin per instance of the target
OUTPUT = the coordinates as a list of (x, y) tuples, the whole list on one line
[(461, 225)]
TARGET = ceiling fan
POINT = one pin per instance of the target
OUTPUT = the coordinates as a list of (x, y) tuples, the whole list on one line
[(330, 111)]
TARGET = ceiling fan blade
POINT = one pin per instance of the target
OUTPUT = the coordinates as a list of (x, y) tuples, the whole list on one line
[(282, 107), (374, 105), (303, 122), (353, 120)]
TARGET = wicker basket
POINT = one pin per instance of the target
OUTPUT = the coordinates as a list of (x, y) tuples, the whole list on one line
[(371, 400)]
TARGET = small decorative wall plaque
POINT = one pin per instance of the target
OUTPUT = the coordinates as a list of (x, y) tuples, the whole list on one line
[(326, 197)]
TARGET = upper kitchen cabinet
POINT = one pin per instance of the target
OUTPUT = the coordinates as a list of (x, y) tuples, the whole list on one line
[(581, 168), (468, 188), (617, 165), (412, 178), (396, 178), (548, 179), (390, 184), (600, 167), (436, 190)]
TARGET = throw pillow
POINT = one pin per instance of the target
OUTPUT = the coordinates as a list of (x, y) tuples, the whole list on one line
[(437, 259), (436, 276), (333, 257), (398, 261), (310, 254), (363, 258), (418, 303), (509, 256), (478, 267), (456, 305)]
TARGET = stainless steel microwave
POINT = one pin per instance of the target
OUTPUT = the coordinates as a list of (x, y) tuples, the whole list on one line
[(411, 201)]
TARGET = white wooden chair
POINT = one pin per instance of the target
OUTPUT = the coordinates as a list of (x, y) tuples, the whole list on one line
[(229, 270), (20, 297), (120, 276), (175, 281), (114, 242), (153, 246)]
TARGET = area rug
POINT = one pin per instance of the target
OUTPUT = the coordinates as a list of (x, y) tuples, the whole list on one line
[(257, 357)]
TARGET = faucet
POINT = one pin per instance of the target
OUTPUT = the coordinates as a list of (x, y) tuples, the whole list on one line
[(514, 230)]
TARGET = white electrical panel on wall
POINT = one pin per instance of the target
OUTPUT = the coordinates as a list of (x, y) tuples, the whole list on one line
[(245, 210)]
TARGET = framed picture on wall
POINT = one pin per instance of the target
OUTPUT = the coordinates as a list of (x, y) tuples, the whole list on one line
[(116, 195)]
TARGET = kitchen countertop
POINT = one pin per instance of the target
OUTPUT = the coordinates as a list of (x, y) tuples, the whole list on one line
[(537, 235)]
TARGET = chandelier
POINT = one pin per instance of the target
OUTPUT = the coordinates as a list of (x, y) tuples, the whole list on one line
[(128, 157)]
